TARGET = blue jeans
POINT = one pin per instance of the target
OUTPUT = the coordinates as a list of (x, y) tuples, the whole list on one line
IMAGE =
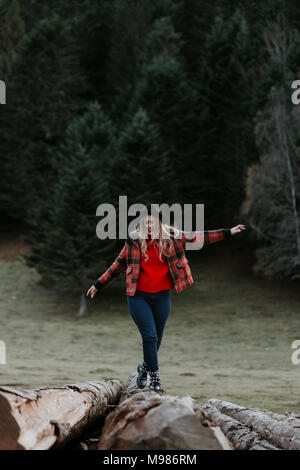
[(150, 311)]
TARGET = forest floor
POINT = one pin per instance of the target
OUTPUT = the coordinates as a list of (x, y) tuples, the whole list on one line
[(229, 336)]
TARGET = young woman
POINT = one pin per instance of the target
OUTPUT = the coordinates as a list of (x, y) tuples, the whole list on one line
[(154, 259)]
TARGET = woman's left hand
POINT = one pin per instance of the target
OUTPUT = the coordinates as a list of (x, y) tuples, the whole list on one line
[(237, 229)]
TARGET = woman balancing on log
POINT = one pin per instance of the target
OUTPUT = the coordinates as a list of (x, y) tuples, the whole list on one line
[(154, 259)]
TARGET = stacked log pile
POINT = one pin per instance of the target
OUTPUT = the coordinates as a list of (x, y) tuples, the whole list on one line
[(254, 428), (110, 415)]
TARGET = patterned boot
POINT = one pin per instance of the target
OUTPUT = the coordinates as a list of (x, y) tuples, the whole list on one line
[(142, 369), (154, 380)]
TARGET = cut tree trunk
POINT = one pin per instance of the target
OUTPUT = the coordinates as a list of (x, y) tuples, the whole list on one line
[(148, 420), (241, 437), (50, 417), (289, 416), (283, 433), (82, 307)]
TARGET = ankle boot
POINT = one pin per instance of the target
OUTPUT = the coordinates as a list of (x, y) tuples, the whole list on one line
[(142, 369), (154, 380)]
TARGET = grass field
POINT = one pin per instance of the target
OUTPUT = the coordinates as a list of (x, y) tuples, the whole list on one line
[(228, 336)]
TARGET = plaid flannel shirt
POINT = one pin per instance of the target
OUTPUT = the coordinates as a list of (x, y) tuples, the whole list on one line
[(128, 259)]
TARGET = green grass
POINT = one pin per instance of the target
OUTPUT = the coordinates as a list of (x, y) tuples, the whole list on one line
[(228, 336)]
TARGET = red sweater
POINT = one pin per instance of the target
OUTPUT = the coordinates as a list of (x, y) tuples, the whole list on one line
[(154, 273)]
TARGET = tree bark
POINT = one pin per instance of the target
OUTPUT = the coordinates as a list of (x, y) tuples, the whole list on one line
[(289, 417), (282, 433), (149, 420), (50, 417), (241, 437)]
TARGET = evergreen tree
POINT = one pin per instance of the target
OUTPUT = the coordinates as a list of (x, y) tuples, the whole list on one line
[(64, 247), (94, 33), (12, 29), (33, 11), (192, 19), (222, 47), (163, 90), (131, 22), (227, 146), (42, 98), (141, 167)]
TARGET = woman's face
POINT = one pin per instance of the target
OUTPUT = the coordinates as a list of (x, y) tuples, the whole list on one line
[(150, 224)]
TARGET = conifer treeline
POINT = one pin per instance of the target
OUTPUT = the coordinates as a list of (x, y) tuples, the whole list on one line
[(156, 100)]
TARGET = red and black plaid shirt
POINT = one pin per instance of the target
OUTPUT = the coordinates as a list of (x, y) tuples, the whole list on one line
[(129, 259)]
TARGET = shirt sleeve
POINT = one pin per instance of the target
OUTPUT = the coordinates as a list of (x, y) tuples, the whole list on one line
[(117, 267), (201, 238)]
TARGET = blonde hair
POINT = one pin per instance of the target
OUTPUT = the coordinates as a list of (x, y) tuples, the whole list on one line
[(163, 244)]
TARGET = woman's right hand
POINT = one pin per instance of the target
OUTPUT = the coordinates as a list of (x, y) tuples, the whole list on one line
[(92, 290)]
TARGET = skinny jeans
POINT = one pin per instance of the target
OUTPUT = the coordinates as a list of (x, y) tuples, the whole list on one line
[(150, 312)]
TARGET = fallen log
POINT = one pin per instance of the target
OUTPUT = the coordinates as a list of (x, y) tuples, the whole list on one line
[(241, 437), (289, 417), (283, 434), (149, 420), (50, 417)]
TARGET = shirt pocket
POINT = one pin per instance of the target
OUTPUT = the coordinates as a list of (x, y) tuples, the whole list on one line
[(183, 270), (129, 270)]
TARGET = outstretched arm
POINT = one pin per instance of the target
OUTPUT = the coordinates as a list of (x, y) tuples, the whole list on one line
[(117, 267), (202, 238)]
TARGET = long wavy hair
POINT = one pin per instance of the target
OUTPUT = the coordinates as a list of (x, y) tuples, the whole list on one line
[(163, 244)]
